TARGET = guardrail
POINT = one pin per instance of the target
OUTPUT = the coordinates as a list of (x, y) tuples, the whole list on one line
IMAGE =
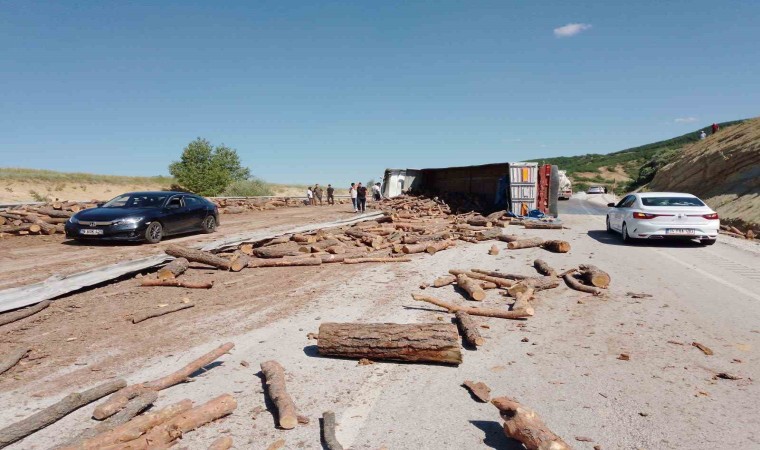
[(302, 197)]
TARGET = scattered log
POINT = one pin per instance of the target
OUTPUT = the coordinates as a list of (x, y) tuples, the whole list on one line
[(501, 282), (494, 250), (22, 313), (594, 276), (277, 251), (473, 289), (522, 302), (417, 238), (434, 247), (274, 373), (544, 268), (705, 349), (233, 210), (174, 282), (198, 256), (55, 412), (524, 425), (239, 261), (480, 221), (414, 248), (573, 283), (484, 312), (328, 431), (145, 315), (535, 283), (33, 228), (435, 342), (538, 225), (12, 359), (496, 215), (444, 281), (304, 239), (525, 243), (508, 238), (491, 233), (479, 390), (304, 261), (375, 259), (174, 269), (278, 240), (487, 284), (469, 329), (556, 246), (133, 408), (50, 212), (222, 443)]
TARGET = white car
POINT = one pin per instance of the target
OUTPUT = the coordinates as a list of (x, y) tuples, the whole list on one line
[(663, 215), (595, 190)]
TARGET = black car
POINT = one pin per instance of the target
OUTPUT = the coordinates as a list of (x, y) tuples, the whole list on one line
[(144, 216)]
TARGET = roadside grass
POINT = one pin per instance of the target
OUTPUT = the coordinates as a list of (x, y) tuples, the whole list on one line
[(60, 178)]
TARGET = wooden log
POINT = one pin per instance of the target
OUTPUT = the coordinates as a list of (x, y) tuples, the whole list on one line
[(494, 250), (304, 239), (556, 246), (45, 228), (55, 412), (24, 227), (175, 282), (277, 251), (525, 243), (469, 329), (479, 221), (133, 429), (133, 408), (500, 282), (436, 342), (414, 248), (11, 359), (522, 302), (524, 425), (328, 431), (594, 276), (544, 268), (496, 215), (117, 401), (50, 212), (491, 233), (278, 240), (145, 315), (375, 260), (221, 443), (198, 256), (174, 269), (302, 261), (434, 247), (497, 274), (471, 287), (444, 281), (484, 312), (538, 225), (417, 238), (10, 317), (239, 261), (535, 283), (233, 210), (274, 373), (573, 283), (479, 390)]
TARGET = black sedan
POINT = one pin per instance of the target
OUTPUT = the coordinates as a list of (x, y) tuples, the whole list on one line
[(144, 216)]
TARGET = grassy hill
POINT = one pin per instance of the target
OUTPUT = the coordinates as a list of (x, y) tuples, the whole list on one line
[(627, 169)]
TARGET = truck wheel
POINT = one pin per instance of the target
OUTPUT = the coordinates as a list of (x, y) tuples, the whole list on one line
[(554, 192)]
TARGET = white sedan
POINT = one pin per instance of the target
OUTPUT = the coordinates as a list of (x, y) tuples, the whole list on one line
[(663, 215)]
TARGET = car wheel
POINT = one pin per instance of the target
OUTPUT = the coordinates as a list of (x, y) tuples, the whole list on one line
[(708, 241), (154, 233), (626, 237), (609, 228), (209, 224)]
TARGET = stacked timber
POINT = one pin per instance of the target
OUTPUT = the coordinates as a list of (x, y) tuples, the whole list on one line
[(40, 219)]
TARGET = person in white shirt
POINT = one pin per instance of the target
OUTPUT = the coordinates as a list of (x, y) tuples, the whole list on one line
[(352, 191), (310, 196), (376, 192), (702, 135)]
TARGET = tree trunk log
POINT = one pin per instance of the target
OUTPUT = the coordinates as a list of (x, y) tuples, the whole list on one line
[(506, 276), (508, 238), (469, 329), (524, 425), (145, 315), (328, 431), (277, 251), (494, 250), (302, 261), (522, 302), (199, 256), (544, 268), (496, 215), (501, 282), (22, 313), (53, 413), (594, 276), (173, 282), (483, 312), (578, 286), (304, 239), (274, 373), (491, 233), (434, 247), (525, 243), (174, 269), (480, 221), (239, 261), (556, 246), (470, 286), (12, 359), (133, 408), (375, 259), (414, 248), (54, 213), (417, 238), (437, 343), (222, 443), (278, 240), (536, 283), (537, 225), (444, 281)]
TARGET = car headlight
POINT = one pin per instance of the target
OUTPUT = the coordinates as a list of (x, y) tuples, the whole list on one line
[(128, 221), (73, 219)]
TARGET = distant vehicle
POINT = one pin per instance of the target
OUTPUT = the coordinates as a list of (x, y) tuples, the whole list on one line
[(565, 186), (596, 190), (144, 216), (663, 215)]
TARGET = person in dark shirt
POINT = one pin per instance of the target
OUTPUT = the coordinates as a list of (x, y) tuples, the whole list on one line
[(330, 195), (361, 198)]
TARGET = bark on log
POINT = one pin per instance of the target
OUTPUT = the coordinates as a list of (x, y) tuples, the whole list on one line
[(556, 246), (535, 283), (483, 312), (469, 329), (524, 425), (594, 276), (501, 282), (522, 302), (222, 443), (199, 256), (274, 373), (496, 215), (233, 210), (437, 342), (277, 251), (444, 281), (508, 238), (145, 315), (53, 413), (496, 274), (414, 248), (480, 390), (54, 213), (174, 269), (434, 247), (537, 225), (239, 261), (480, 221), (494, 250), (544, 268), (174, 282), (22, 313), (328, 431), (525, 243), (303, 261), (417, 238), (375, 260), (473, 289), (19, 228), (573, 283), (278, 240), (304, 239), (133, 408), (12, 359), (491, 233)]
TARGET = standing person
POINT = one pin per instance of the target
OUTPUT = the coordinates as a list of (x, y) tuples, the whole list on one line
[(715, 128), (318, 194), (330, 195), (361, 198), (309, 196), (376, 192), (702, 135), (352, 191)]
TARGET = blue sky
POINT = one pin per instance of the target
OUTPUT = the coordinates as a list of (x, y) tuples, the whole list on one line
[(318, 91)]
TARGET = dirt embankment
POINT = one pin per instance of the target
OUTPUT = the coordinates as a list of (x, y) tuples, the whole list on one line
[(724, 170)]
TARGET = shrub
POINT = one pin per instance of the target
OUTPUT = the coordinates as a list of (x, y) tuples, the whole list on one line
[(208, 170), (248, 188)]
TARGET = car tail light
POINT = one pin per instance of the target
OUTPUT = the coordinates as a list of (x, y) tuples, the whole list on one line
[(713, 216), (638, 215)]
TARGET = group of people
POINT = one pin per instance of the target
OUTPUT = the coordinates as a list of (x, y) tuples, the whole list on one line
[(357, 192), (314, 194), (714, 128)]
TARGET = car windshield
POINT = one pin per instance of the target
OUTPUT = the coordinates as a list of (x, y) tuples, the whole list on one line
[(137, 201), (671, 201)]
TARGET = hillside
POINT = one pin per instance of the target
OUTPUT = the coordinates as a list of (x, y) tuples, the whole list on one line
[(627, 169), (724, 170)]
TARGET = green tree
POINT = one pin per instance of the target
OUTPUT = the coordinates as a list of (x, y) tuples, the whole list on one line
[(206, 170)]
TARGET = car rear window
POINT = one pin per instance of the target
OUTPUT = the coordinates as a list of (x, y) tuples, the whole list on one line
[(671, 201)]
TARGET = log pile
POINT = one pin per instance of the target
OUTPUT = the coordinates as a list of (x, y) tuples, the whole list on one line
[(242, 205), (42, 219)]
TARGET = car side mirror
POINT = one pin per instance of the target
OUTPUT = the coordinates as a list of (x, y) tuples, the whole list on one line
[(611, 205), (99, 205)]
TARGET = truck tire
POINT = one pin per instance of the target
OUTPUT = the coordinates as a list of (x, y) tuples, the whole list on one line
[(554, 192)]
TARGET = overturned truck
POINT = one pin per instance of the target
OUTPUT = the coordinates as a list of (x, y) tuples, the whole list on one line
[(518, 187)]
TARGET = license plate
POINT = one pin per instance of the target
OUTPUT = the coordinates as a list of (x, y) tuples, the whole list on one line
[(91, 232), (680, 231)]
